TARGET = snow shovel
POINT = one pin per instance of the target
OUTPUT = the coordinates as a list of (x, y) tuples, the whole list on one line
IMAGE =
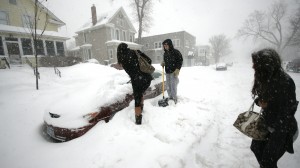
[(163, 102)]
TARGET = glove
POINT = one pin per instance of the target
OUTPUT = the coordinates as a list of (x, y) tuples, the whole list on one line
[(176, 72), (162, 64)]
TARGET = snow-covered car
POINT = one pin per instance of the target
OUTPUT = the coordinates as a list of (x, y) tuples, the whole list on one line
[(221, 66), (66, 125), (293, 65)]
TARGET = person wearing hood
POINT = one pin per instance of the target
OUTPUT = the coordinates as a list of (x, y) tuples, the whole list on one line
[(172, 64), (140, 81), (275, 93)]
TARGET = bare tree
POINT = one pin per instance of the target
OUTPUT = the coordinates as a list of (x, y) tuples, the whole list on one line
[(37, 29), (142, 10), (220, 45), (269, 26)]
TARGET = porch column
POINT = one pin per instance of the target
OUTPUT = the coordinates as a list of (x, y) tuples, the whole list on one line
[(55, 48), (20, 48), (45, 47)]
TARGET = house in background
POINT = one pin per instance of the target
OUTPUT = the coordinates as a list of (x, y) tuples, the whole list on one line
[(16, 42), (183, 41), (203, 55), (100, 37)]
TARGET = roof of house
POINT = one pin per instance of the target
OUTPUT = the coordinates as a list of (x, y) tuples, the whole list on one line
[(54, 19), (23, 30), (131, 45), (104, 19)]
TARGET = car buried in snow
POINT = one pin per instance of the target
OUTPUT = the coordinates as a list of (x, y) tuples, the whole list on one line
[(221, 66), (294, 65), (55, 125)]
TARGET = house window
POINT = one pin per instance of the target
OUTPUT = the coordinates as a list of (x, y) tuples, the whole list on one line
[(14, 2), (11, 39), (84, 37), (131, 38), (147, 45), (60, 48), (27, 21), (26, 46), (187, 43), (50, 47), (176, 42), (3, 18), (89, 53), (157, 45), (117, 35), (40, 47), (112, 34), (124, 36), (110, 54), (1, 47)]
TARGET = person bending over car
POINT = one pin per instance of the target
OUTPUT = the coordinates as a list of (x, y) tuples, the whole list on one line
[(140, 81)]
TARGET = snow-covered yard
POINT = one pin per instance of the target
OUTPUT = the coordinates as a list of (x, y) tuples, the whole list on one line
[(196, 132)]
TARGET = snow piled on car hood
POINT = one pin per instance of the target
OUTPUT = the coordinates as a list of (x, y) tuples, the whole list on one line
[(85, 88)]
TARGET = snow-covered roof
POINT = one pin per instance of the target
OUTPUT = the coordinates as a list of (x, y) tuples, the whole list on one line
[(75, 49), (104, 20), (86, 46), (130, 44), (54, 19), (23, 30)]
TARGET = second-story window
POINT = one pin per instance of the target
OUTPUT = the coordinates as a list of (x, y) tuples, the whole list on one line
[(84, 37), (117, 34), (13, 2), (157, 45), (176, 42), (3, 18), (27, 21), (124, 36), (112, 34)]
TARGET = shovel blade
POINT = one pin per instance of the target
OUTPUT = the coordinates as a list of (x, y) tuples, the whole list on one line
[(163, 102)]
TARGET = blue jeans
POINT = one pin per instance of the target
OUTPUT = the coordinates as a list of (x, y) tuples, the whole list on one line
[(172, 82)]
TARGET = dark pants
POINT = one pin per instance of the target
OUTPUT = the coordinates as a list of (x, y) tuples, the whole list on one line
[(139, 85), (269, 152)]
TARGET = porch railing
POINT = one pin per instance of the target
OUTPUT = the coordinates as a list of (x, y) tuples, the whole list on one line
[(57, 72)]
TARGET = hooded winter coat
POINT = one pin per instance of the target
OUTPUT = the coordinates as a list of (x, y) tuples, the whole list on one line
[(172, 58), (282, 106)]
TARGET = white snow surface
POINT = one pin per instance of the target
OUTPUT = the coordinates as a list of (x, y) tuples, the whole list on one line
[(197, 132)]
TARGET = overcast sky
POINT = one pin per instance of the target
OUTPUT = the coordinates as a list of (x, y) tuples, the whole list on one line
[(201, 18)]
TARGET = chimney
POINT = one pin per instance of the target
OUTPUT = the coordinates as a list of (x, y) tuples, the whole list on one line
[(94, 15)]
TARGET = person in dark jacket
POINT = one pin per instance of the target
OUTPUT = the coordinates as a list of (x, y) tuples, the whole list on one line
[(140, 81), (172, 63), (275, 92)]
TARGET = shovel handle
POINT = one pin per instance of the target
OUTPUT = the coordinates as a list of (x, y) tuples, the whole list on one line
[(163, 82)]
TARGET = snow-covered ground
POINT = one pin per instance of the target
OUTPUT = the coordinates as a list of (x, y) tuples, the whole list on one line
[(196, 132)]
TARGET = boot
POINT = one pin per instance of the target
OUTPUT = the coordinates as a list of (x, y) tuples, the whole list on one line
[(138, 119)]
